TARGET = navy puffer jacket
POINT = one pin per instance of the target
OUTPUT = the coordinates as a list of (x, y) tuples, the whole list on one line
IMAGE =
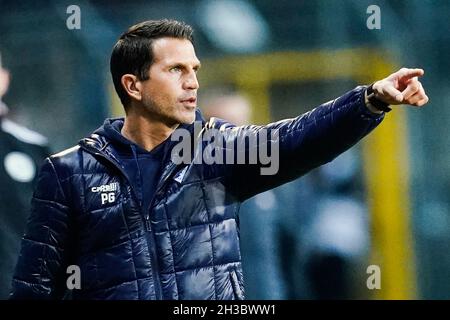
[(187, 245)]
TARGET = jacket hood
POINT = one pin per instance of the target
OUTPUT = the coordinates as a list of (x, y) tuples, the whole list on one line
[(111, 131)]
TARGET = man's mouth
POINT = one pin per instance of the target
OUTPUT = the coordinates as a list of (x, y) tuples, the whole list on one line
[(191, 101)]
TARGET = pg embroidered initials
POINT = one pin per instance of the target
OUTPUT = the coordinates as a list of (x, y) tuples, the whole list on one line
[(108, 197)]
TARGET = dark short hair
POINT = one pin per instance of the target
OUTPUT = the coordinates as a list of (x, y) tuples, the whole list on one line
[(133, 52)]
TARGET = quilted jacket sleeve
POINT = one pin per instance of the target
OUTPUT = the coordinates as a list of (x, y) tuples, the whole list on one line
[(303, 143), (41, 269)]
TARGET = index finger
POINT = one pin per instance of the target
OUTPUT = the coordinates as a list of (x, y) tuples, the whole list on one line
[(411, 73)]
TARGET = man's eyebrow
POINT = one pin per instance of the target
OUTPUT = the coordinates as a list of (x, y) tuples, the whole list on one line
[(197, 65)]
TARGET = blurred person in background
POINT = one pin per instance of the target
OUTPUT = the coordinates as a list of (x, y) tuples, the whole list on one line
[(140, 225), (336, 237), (21, 153)]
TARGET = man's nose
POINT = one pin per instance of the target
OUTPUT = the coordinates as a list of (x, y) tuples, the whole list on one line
[(191, 82)]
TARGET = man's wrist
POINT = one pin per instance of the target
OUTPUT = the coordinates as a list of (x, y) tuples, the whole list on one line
[(374, 104)]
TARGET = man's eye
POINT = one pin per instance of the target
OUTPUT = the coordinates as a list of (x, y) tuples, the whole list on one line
[(175, 69)]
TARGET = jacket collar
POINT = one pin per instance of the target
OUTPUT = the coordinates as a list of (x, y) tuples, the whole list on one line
[(99, 144)]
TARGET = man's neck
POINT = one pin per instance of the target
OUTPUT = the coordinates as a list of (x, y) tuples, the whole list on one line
[(144, 131)]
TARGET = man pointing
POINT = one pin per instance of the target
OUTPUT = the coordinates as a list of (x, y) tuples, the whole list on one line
[(140, 225)]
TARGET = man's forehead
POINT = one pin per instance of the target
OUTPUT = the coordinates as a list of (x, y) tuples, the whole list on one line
[(169, 50)]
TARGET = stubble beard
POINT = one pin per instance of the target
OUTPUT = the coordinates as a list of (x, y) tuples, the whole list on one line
[(161, 111)]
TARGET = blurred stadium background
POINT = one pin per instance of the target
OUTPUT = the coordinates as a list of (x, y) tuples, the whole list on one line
[(286, 57)]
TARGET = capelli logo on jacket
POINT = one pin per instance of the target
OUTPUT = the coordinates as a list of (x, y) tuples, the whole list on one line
[(107, 192)]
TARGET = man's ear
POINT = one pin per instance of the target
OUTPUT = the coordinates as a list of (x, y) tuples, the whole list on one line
[(132, 86)]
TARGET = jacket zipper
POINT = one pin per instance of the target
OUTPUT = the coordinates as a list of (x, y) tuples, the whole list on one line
[(151, 235), (160, 185), (150, 239)]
